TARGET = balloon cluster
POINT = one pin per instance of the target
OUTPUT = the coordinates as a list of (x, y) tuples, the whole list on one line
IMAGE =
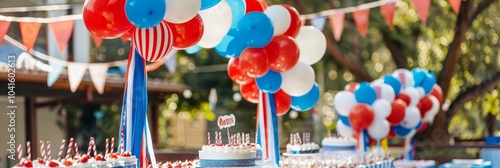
[(398, 104), (269, 51), (154, 26)]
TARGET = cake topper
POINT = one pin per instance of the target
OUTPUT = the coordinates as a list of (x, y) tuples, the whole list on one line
[(226, 121)]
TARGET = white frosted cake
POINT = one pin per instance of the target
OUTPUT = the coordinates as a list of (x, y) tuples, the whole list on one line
[(301, 146), (338, 144), (238, 153)]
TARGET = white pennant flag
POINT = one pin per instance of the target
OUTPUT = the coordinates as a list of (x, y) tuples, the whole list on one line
[(75, 74), (98, 74)]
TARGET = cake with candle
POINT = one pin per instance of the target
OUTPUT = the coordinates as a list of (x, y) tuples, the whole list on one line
[(338, 143), (298, 145), (239, 152)]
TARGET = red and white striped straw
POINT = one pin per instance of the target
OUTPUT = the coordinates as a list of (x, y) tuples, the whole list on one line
[(90, 145), (112, 144), (19, 152), (94, 147), (42, 150), (76, 149), (70, 146), (220, 138), (28, 149), (48, 151), (107, 146), (59, 155), (208, 137)]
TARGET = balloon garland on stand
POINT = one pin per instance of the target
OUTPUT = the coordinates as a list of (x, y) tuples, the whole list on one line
[(399, 104), (270, 55)]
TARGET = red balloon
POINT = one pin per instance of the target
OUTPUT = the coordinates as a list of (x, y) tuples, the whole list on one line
[(233, 70), (405, 97), (425, 104), (188, 33), (250, 92), (153, 44), (437, 92), (283, 53), (391, 134), (255, 6), (283, 102), (351, 86), (295, 24), (423, 127), (105, 18), (254, 62), (128, 35), (398, 112), (361, 116), (371, 141)]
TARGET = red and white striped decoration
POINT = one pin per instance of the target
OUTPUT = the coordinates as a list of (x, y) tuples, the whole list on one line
[(153, 43), (107, 146), (76, 149), (70, 146), (90, 145), (61, 148), (19, 152), (112, 144), (28, 149), (94, 147), (42, 150), (49, 157)]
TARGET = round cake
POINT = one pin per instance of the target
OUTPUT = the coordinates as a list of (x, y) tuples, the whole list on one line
[(338, 144), (230, 155)]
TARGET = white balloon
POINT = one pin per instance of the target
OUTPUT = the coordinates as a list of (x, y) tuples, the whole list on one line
[(280, 17), (216, 23), (343, 129), (311, 43), (412, 117), (413, 93), (429, 116), (180, 11), (378, 81), (405, 77), (421, 92), (385, 91), (299, 80), (382, 108), (343, 102), (379, 128)]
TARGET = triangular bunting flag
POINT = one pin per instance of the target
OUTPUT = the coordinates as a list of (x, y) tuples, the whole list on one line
[(319, 22), (98, 74), (337, 23), (361, 20), (171, 61), (455, 4), (29, 33), (75, 74), (422, 7), (62, 32), (97, 41), (4, 27), (56, 71), (387, 11)]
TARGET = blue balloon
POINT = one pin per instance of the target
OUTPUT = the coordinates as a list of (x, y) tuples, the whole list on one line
[(307, 101), (345, 120), (270, 82), (419, 76), (365, 93), (145, 13), (401, 131), (231, 45), (419, 125), (238, 8), (429, 82), (205, 4), (193, 49), (393, 82), (257, 29)]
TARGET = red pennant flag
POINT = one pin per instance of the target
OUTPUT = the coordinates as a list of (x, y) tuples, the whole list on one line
[(422, 7), (337, 23), (388, 13), (62, 31), (361, 20), (29, 33), (4, 27), (97, 41), (455, 4)]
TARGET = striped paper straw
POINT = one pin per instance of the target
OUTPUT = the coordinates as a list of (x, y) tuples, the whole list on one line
[(49, 157), (94, 147), (42, 150), (28, 149), (112, 144), (90, 146), (61, 148), (70, 146), (19, 152), (76, 149), (106, 147)]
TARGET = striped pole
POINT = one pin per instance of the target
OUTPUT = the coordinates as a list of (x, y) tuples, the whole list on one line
[(49, 157), (42, 150), (19, 152), (28, 149), (106, 147), (112, 144), (90, 146), (61, 148), (70, 146), (76, 149)]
